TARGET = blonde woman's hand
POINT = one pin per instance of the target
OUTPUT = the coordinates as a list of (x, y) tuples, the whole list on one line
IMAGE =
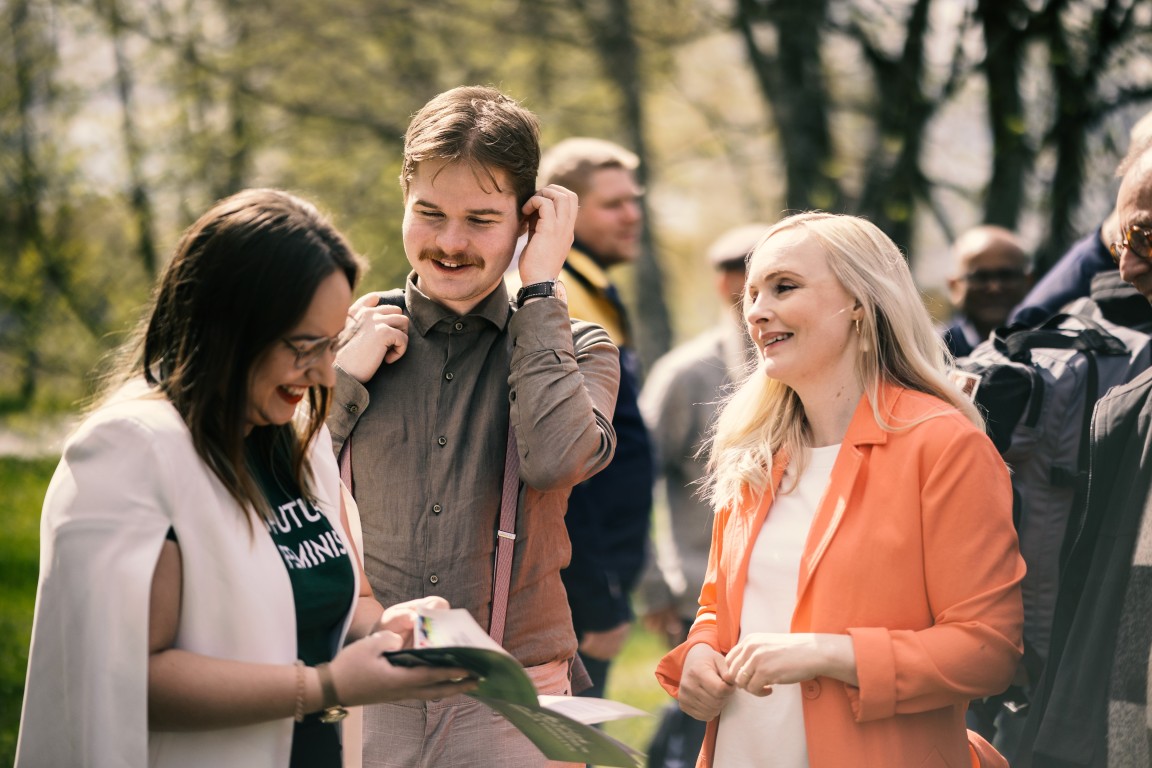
[(763, 659), (704, 689)]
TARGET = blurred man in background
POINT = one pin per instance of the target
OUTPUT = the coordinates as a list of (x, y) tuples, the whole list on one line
[(608, 514), (991, 274)]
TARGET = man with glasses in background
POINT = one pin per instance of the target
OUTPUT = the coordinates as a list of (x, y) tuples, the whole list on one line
[(1070, 278), (992, 274), (1090, 708)]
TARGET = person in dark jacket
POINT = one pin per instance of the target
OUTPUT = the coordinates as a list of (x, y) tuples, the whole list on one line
[(608, 514), (1090, 707), (1068, 280)]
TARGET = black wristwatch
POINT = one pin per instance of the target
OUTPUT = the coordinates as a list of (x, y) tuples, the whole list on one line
[(543, 290)]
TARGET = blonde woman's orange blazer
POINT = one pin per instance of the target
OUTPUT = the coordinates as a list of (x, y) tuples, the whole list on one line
[(913, 553)]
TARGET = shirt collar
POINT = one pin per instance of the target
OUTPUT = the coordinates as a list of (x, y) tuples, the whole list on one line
[(970, 333), (426, 313), (580, 262)]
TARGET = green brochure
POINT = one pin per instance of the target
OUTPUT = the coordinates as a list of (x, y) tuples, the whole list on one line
[(560, 726)]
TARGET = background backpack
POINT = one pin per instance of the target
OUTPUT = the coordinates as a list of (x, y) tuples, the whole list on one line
[(1037, 388)]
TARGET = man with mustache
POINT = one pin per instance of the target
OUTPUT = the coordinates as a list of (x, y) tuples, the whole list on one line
[(450, 383)]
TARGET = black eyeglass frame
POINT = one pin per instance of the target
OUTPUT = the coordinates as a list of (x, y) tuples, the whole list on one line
[(1005, 276)]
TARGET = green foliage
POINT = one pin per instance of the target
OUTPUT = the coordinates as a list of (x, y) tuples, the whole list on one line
[(24, 483), (315, 98)]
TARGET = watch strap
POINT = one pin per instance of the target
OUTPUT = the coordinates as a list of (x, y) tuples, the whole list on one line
[(542, 290)]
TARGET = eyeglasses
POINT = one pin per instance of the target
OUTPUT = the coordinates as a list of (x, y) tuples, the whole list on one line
[(1006, 276), (309, 350), (1135, 239)]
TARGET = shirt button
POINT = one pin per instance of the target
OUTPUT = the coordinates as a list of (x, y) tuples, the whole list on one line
[(442, 440), (437, 509), (352, 408), (811, 689), (434, 579), (459, 326), (512, 396), (449, 375)]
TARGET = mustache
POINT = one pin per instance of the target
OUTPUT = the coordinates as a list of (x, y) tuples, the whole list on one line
[(462, 259)]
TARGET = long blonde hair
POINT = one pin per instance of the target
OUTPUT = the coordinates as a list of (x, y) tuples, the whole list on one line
[(898, 344)]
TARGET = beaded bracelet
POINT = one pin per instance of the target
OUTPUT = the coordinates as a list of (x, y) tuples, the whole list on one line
[(299, 716)]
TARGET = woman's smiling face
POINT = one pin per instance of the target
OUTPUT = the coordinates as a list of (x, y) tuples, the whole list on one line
[(276, 384), (799, 316)]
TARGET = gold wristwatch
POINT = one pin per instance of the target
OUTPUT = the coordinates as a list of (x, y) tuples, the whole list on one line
[(332, 711)]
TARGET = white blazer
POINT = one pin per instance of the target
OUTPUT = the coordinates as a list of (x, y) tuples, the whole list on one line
[(127, 474)]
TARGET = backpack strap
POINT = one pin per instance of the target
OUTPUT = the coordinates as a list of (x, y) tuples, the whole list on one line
[(1017, 343)]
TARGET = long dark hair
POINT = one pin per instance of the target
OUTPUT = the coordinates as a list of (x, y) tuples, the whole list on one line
[(242, 276)]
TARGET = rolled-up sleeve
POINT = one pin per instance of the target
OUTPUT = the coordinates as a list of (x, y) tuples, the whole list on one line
[(972, 572), (349, 401), (564, 379)]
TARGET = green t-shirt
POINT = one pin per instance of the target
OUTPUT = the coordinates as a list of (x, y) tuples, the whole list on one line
[(322, 585), (317, 561)]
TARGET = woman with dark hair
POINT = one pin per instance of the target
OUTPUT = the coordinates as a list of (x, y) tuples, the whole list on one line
[(864, 578), (201, 601)]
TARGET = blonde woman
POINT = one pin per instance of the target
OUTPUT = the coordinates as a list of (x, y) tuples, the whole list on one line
[(863, 582)]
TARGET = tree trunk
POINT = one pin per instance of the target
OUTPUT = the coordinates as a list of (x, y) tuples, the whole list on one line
[(791, 82), (27, 300), (894, 180), (139, 199), (1077, 52), (616, 42), (1004, 23)]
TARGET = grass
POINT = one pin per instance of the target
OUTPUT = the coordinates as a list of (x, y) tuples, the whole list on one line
[(24, 482), (631, 680)]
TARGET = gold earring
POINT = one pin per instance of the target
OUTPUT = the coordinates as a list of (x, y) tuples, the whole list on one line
[(856, 322)]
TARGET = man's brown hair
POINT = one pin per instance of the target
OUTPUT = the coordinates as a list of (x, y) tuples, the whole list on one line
[(482, 127)]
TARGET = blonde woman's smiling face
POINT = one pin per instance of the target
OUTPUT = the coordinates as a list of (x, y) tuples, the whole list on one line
[(799, 316)]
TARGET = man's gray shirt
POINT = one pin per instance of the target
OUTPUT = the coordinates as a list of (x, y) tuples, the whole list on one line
[(428, 448), (679, 403)]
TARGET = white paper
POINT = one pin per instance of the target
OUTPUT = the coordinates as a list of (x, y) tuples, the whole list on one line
[(590, 710)]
